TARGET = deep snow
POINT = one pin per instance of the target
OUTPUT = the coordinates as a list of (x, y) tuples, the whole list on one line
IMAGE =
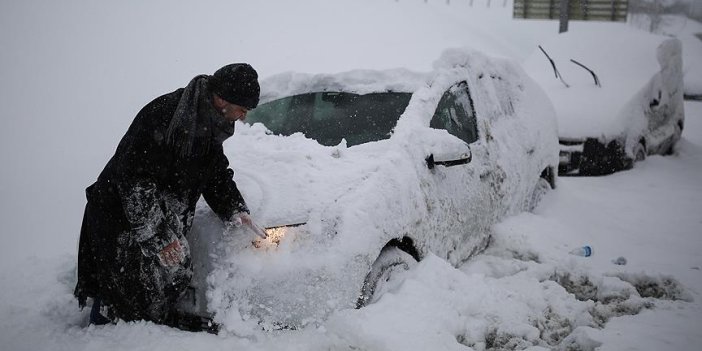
[(74, 75)]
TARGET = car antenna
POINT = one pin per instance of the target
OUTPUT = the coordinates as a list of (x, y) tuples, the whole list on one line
[(555, 70), (594, 76)]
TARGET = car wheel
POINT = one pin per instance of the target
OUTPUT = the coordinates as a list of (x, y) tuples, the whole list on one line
[(639, 152), (541, 188), (676, 138), (386, 274)]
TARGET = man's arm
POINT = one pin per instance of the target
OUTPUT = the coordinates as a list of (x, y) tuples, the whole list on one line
[(221, 192), (223, 196)]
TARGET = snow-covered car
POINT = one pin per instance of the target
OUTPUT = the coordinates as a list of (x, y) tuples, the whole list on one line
[(359, 175), (618, 95)]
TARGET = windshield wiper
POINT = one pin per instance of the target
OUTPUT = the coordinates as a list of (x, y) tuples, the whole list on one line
[(594, 76), (555, 70)]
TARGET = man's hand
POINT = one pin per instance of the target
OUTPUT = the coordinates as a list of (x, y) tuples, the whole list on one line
[(172, 254), (243, 218)]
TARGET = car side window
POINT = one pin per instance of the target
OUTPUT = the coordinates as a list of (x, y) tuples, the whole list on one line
[(456, 114)]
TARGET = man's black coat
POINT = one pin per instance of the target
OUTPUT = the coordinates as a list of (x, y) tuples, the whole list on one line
[(143, 200)]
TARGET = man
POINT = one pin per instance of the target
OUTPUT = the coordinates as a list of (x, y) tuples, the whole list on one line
[(133, 257)]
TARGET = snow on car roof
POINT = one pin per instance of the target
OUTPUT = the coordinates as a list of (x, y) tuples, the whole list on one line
[(355, 81), (624, 62)]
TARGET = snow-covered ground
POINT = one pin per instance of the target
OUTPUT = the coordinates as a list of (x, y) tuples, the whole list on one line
[(74, 74), (525, 290)]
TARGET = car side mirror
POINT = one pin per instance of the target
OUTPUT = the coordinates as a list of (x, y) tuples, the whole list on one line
[(449, 159)]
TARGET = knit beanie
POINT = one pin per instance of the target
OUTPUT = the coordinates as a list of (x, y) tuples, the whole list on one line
[(236, 83)]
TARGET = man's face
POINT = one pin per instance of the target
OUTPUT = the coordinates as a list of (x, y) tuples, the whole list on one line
[(228, 110)]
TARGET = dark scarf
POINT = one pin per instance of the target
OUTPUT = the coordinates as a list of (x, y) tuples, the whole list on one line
[(196, 125)]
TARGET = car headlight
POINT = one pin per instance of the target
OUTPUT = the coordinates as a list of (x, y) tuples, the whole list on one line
[(274, 235)]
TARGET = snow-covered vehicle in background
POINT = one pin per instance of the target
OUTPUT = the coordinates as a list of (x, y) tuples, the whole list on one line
[(618, 95), (359, 175)]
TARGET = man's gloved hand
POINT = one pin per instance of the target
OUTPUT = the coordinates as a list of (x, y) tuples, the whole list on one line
[(243, 218), (172, 254)]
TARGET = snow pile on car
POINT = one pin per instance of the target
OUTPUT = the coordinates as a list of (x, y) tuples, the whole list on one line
[(355, 199), (355, 81)]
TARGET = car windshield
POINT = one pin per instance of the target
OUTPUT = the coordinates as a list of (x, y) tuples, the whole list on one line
[(328, 117)]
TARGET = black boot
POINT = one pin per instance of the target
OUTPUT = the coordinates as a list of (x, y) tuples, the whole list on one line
[(191, 322), (96, 317)]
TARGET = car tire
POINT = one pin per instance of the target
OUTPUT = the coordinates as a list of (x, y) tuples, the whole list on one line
[(676, 138), (540, 189), (639, 152), (386, 274)]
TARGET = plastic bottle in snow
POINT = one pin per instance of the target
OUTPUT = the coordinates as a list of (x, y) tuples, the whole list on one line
[(585, 251), (620, 261)]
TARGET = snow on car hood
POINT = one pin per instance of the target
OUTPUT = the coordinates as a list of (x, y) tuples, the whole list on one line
[(284, 178), (625, 60), (339, 192)]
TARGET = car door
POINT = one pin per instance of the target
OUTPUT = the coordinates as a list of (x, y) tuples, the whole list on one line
[(461, 197)]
